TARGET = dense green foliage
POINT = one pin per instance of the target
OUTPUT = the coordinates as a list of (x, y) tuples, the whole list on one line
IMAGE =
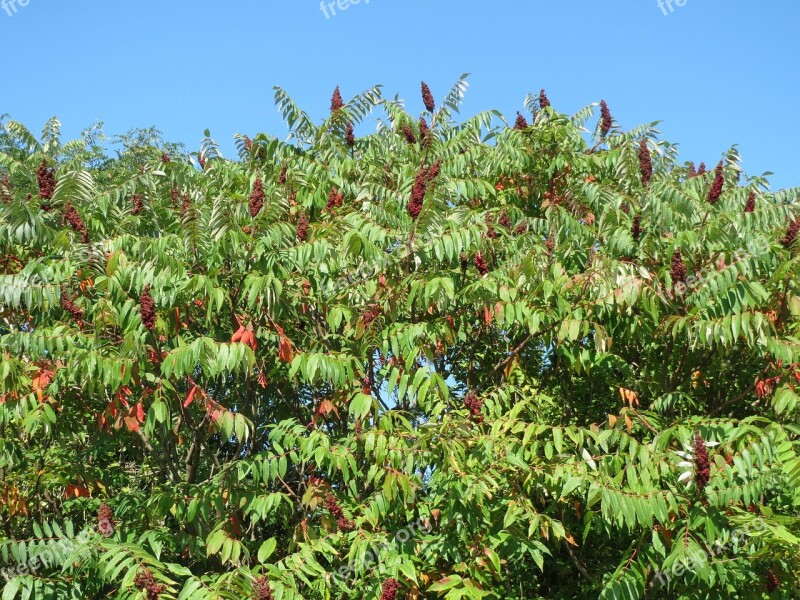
[(482, 361)]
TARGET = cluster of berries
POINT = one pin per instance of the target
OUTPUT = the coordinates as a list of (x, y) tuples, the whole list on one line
[(262, 589), (47, 182), (389, 589), (332, 505), (147, 309), (257, 198), (75, 221), (702, 466), (145, 582), (105, 520), (474, 406)]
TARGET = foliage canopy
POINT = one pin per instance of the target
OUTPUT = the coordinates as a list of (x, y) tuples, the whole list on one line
[(449, 359)]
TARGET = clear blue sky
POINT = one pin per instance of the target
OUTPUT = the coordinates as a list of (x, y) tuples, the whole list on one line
[(716, 72)]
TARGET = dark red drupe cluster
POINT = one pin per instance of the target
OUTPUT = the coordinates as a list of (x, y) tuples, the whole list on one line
[(645, 162), (136, 200), (389, 589), (544, 102), (491, 233), (75, 221), (145, 582), (336, 100), (408, 133), (677, 268), (474, 406), (636, 228), (716, 187), (791, 233), (773, 583), (481, 264), (332, 506), (418, 193), (504, 220), (424, 133), (147, 309), (257, 197), (105, 520), (349, 134), (46, 178), (521, 123), (605, 118), (427, 97), (201, 160), (302, 227), (750, 205), (69, 305), (370, 314), (282, 176), (692, 172), (261, 589), (335, 199), (701, 170)]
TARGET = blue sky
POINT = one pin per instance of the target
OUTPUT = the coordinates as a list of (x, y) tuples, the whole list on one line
[(715, 72)]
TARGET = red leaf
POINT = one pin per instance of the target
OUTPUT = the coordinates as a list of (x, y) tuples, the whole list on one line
[(190, 396), (238, 335)]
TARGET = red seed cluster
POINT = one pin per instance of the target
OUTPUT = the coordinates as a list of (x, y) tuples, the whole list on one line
[(636, 228), (424, 133), (389, 589), (491, 233), (336, 101), (75, 221), (716, 187), (791, 233), (261, 589), (372, 313), (702, 466), (605, 118), (47, 181), (701, 170), (677, 268), (332, 505), (550, 244), (522, 228), (408, 133), (645, 162), (427, 97), (504, 220), (136, 200), (186, 205), (464, 262), (521, 123), (147, 309), (248, 144), (282, 176), (434, 170), (418, 194), (481, 264), (145, 582), (349, 134), (69, 305), (474, 406), (335, 199), (105, 520), (302, 227), (165, 157), (750, 205), (544, 102), (773, 583), (692, 171), (257, 197), (175, 196)]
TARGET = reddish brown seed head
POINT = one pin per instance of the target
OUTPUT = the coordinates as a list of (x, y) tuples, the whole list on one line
[(257, 198), (427, 98), (544, 102), (481, 264), (105, 520), (716, 187), (136, 201), (349, 134), (165, 158), (791, 233), (645, 162), (336, 100), (75, 221), (408, 133), (677, 268), (750, 205), (47, 181), (424, 133), (262, 589), (147, 309), (282, 176), (521, 123), (636, 228), (389, 589), (605, 118), (302, 227)]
